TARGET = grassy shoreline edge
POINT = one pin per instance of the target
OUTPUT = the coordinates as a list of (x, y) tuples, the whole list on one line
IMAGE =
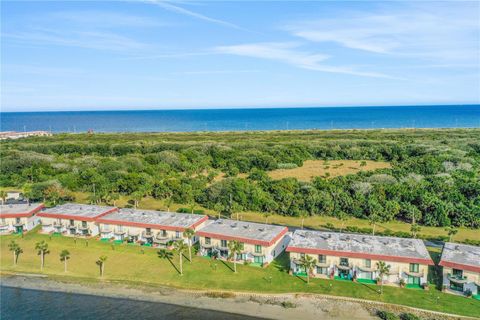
[(89, 286)]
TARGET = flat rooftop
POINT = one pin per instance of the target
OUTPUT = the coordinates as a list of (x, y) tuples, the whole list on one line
[(154, 218), (243, 230), (74, 210), (18, 208), (461, 254), (359, 244)]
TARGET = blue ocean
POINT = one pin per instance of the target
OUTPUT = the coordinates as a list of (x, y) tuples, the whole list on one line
[(451, 116)]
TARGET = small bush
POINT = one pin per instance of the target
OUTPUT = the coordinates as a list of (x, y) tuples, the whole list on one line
[(287, 166), (199, 211), (409, 316), (386, 315), (183, 210), (222, 295), (288, 305)]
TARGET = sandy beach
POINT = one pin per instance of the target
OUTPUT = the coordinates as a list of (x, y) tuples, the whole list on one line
[(268, 306)]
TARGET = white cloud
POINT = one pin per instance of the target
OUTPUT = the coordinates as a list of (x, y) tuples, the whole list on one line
[(425, 31), (288, 52), (103, 19), (101, 40), (168, 6)]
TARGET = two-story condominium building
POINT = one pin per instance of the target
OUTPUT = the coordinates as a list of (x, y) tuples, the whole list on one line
[(461, 268), (73, 219), (19, 217), (148, 226), (261, 242), (354, 257)]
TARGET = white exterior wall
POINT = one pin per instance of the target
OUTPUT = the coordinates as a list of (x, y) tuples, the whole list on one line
[(472, 279), (397, 269), (7, 225)]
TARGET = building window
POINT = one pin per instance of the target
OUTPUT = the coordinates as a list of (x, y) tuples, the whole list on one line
[(368, 263), (344, 262), (120, 228), (322, 258), (208, 240), (457, 273), (72, 223), (84, 224), (17, 220), (302, 255), (322, 270), (3, 221), (163, 233), (223, 243), (177, 234), (258, 248), (148, 230), (414, 267)]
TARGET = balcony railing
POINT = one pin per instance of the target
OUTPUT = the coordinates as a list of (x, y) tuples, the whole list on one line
[(457, 278)]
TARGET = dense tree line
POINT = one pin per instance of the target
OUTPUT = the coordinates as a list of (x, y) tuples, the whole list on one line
[(434, 179)]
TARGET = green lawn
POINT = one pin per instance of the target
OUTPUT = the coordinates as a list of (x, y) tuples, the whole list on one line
[(137, 264)]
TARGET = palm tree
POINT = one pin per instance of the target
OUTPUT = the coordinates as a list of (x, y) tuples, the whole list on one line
[(64, 256), (303, 215), (382, 269), (308, 263), (114, 196), (180, 247), (374, 219), (42, 250), (165, 254), (189, 234), (451, 232), (267, 214), (101, 263), (3, 195), (342, 216), (235, 248), (15, 248), (415, 228)]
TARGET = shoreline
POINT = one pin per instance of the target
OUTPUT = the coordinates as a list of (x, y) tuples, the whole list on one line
[(267, 306)]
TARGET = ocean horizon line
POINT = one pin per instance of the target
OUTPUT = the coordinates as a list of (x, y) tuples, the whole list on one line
[(246, 108)]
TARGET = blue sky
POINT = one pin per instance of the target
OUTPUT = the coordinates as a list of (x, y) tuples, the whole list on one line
[(66, 55)]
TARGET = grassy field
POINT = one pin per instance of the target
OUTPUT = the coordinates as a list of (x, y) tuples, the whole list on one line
[(330, 169), (141, 265)]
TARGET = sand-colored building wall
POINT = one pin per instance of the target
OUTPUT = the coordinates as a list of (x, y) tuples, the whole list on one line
[(359, 267), (250, 250), (8, 225), (64, 226), (471, 283), (119, 231)]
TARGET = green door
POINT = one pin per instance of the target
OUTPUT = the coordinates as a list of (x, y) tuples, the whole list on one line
[(258, 260), (19, 229), (413, 280)]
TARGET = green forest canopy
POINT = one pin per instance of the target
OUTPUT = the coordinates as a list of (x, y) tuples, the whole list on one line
[(434, 178)]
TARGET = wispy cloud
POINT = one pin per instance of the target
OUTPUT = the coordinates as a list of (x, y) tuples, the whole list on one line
[(170, 7), (289, 52), (102, 19), (102, 40), (429, 31)]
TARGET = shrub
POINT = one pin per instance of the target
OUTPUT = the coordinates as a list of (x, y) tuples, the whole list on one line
[(288, 304), (386, 315), (409, 316), (222, 295), (287, 166), (183, 210)]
